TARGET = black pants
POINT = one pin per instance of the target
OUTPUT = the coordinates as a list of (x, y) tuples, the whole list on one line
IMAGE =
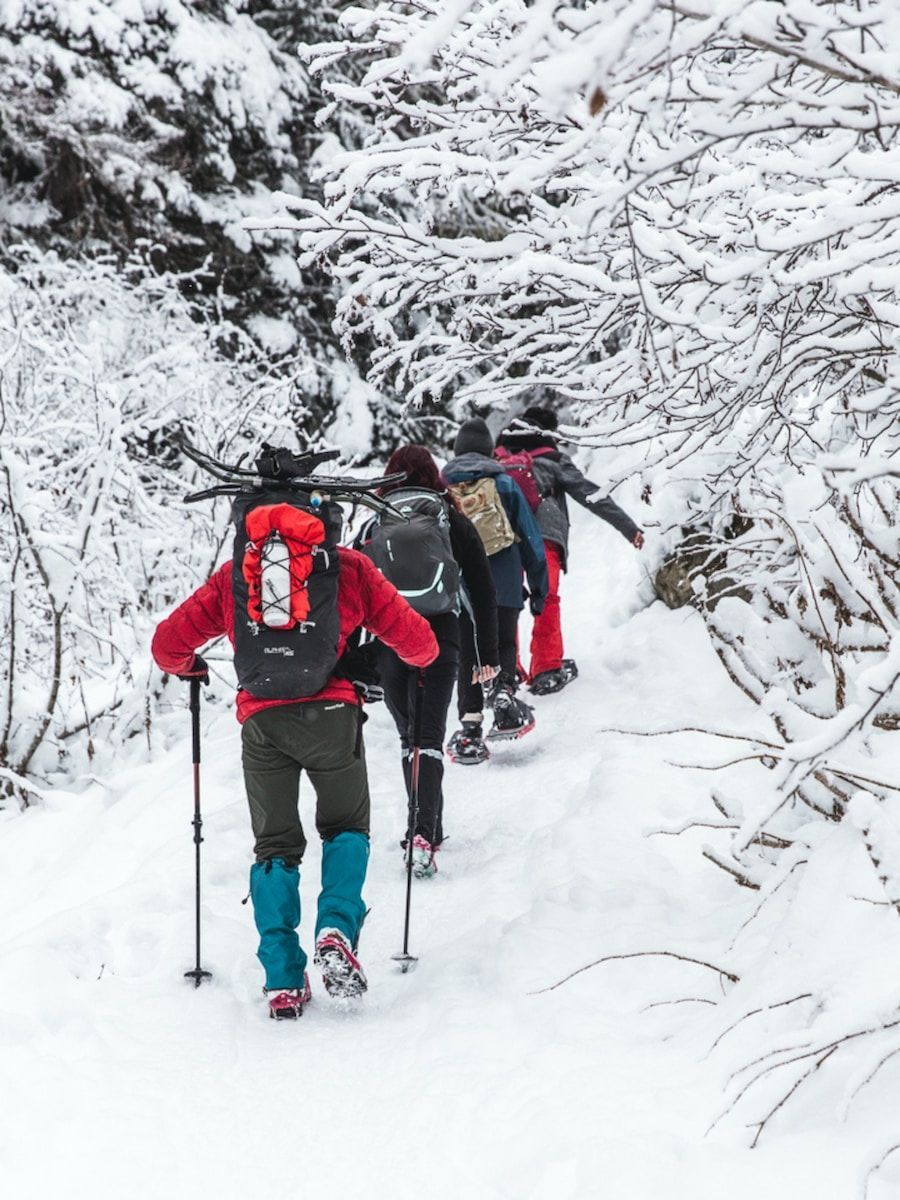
[(470, 696), (400, 682)]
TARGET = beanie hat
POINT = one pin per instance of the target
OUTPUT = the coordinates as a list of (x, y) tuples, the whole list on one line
[(544, 418), (515, 438), (474, 437)]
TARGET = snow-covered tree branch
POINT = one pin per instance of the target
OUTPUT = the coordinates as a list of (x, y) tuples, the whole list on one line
[(100, 368)]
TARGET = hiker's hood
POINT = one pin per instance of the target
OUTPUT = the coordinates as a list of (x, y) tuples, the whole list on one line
[(471, 466)]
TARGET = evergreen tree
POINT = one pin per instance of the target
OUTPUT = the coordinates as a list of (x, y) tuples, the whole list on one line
[(164, 126)]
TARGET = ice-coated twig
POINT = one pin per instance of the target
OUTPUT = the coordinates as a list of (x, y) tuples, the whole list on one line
[(771, 841), (754, 1012), (721, 971), (680, 1000), (768, 892), (740, 876), (816, 1054), (883, 1061), (719, 733), (779, 1104), (878, 1162)]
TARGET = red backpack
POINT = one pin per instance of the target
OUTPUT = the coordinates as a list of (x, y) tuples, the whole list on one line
[(285, 585), (520, 467)]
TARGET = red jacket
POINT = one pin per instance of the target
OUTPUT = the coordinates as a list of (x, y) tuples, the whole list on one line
[(364, 598)]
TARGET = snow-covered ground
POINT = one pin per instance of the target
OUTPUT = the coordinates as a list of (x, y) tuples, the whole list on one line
[(119, 1079)]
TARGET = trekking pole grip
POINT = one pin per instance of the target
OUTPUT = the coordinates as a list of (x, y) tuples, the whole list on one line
[(195, 719)]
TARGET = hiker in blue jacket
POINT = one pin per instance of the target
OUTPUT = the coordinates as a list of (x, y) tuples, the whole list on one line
[(515, 548)]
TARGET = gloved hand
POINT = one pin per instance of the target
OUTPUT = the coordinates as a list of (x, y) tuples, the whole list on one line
[(536, 604), (197, 670), (359, 665)]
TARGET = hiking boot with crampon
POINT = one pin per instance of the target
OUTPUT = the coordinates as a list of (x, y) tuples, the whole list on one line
[(342, 973), (467, 747), (287, 1004), (423, 864)]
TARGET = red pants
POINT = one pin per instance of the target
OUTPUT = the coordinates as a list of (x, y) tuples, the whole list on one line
[(546, 636)]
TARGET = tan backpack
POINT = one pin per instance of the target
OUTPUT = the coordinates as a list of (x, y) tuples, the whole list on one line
[(479, 500)]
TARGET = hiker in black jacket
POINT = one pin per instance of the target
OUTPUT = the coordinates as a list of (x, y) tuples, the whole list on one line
[(557, 477), (515, 550), (399, 681)]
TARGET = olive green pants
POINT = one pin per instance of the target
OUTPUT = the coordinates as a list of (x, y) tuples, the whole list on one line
[(319, 737)]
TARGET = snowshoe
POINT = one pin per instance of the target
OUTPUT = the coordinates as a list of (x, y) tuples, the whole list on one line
[(287, 1004), (423, 864), (342, 973), (545, 683), (467, 747), (513, 718)]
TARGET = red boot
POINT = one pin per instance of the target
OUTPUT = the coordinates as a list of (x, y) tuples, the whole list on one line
[(286, 1004)]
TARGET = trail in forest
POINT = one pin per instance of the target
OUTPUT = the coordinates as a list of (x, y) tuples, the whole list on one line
[(453, 1080)]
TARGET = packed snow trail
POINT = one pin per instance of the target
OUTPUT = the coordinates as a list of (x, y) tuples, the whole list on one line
[(455, 1080)]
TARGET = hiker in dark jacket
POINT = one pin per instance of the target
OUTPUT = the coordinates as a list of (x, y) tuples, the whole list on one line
[(557, 477), (523, 552), (400, 680)]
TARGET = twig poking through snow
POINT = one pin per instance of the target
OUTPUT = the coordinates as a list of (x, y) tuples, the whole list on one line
[(638, 954)]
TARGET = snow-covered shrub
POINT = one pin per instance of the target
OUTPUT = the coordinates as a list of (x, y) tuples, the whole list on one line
[(100, 368), (169, 122)]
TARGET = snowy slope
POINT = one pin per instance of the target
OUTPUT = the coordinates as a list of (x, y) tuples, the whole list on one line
[(119, 1079)]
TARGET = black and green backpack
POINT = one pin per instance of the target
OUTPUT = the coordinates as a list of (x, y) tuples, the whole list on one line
[(411, 547)]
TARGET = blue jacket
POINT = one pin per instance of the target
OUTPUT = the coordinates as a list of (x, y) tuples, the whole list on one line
[(528, 552)]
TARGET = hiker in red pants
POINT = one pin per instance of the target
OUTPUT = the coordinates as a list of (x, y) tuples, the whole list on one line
[(546, 477)]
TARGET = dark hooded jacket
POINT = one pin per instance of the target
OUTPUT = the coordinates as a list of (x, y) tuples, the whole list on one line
[(557, 477), (528, 552)]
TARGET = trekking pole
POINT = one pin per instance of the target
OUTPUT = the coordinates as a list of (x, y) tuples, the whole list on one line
[(406, 960), (197, 974)]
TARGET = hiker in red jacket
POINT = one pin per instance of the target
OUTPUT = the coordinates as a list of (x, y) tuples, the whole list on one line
[(546, 477), (321, 734)]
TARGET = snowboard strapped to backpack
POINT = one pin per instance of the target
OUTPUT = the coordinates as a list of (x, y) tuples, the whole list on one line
[(479, 500), (413, 551), (520, 467), (285, 566)]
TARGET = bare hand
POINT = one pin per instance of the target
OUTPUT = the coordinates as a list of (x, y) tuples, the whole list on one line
[(484, 674), (638, 540)]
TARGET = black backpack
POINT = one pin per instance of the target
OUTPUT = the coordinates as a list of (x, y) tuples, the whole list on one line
[(285, 568), (285, 585), (413, 551)]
